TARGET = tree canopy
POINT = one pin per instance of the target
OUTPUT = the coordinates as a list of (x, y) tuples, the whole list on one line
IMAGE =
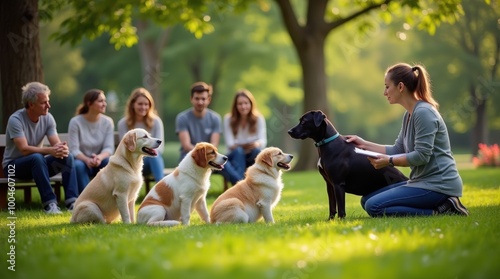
[(232, 49)]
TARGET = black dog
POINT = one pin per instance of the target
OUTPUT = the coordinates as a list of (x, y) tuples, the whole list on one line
[(343, 170)]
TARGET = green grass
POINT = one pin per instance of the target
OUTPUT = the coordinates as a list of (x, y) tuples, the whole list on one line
[(300, 245)]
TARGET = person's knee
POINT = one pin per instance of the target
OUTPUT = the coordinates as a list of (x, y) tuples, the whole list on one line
[(80, 166), (239, 151), (70, 160), (38, 163), (38, 159), (363, 202), (371, 207), (255, 152)]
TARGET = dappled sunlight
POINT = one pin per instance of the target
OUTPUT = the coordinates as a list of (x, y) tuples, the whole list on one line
[(300, 244)]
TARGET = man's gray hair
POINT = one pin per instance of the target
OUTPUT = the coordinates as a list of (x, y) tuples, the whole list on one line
[(31, 91)]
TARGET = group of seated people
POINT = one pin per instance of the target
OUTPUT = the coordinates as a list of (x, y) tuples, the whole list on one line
[(91, 137)]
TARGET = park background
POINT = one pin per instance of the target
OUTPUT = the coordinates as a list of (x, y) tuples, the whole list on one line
[(250, 48)]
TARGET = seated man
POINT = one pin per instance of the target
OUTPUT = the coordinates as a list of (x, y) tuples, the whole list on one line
[(201, 124), (24, 153)]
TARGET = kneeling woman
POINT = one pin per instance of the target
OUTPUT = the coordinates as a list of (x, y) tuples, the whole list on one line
[(423, 145)]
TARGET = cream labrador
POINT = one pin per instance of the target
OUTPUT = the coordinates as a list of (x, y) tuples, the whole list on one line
[(173, 199), (113, 191), (255, 196)]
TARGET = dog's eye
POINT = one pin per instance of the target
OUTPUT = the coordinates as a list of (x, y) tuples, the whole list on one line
[(302, 122)]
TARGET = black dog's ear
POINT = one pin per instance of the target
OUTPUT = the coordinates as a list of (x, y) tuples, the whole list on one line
[(318, 118)]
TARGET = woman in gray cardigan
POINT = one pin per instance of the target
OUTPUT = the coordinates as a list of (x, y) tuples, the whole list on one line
[(91, 137), (423, 145)]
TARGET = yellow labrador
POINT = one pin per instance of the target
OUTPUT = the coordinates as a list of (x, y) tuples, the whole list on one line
[(255, 196), (173, 199), (113, 191)]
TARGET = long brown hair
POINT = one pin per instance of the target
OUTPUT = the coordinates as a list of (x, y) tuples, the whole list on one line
[(130, 112), (415, 78), (236, 116), (88, 99)]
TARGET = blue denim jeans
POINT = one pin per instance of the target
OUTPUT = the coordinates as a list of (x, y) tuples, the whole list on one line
[(400, 200), (40, 168), (237, 163), (154, 166), (84, 173)]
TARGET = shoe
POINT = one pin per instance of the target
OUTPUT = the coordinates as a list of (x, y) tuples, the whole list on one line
[(70, 207), (52, 208), (452, 206)]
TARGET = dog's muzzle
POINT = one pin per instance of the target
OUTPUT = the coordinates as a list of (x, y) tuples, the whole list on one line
[(218, 166), (286, 166)]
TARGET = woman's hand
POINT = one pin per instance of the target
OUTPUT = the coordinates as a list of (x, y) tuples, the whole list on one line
[(249, 146), (381, 161), (358, 141)]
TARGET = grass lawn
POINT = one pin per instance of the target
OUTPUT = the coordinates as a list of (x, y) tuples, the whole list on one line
[(300, 245)]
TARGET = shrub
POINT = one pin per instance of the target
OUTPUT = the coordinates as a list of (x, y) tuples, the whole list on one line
[(488, 156)]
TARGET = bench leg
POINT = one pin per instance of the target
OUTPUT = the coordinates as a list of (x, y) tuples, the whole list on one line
[(226, 184), (3, 197), (27, 195), (57, 191)]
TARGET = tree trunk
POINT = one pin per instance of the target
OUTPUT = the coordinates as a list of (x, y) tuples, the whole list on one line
[(149, 50), (312, 60), (20, 49), (480, 129)]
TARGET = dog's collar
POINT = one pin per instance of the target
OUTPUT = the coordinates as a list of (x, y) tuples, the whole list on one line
[(320, 143)]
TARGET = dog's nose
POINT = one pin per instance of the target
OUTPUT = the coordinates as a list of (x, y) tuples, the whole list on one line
[(158, 141), (224, 158), (290, 131), (291, 156)]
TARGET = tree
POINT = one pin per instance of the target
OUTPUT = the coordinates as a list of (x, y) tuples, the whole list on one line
[(473, 48), (320, 19), (20, 49), (19, 31), (150, 48), (479, 37)]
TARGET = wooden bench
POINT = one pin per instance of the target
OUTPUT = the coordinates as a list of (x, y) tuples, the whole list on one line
[(56, 180), (22, 184)]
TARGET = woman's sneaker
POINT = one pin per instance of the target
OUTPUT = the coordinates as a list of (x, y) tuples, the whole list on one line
[(452, 206), (52, 208)]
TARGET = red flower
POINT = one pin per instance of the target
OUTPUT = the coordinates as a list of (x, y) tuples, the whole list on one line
[(487, 156)]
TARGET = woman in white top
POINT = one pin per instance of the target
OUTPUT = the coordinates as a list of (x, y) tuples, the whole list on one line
[(244, 134), (91, 139), (140, 112)]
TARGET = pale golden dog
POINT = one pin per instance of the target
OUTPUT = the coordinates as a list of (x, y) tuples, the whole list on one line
[(255, 196), (113, 191), (173, 199)]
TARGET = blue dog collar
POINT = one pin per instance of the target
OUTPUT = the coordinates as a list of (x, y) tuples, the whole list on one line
[(325, 141)]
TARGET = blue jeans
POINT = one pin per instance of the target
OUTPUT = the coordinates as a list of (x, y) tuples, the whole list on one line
[(400, 200), (40, 168), (237, 163), (154, 166), (84, 173)]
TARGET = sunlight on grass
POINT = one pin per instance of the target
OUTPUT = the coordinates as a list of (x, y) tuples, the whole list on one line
[(301, 244)]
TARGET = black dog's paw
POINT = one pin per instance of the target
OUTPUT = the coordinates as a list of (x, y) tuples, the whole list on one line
[(331, 217)]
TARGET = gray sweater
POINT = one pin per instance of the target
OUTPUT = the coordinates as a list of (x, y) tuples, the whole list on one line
[(424, 139), (87, 137)]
